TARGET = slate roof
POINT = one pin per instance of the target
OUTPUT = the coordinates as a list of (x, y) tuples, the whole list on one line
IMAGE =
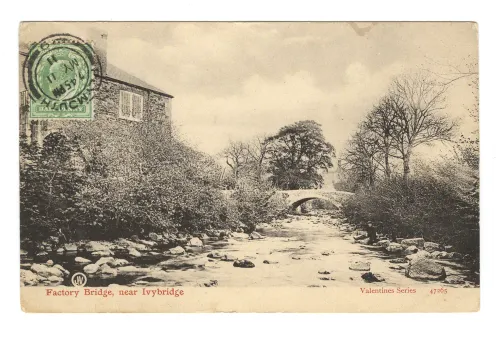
[(114, 73)]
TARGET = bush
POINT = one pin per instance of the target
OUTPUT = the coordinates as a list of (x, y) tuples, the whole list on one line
[(256, 202), (50, 186), (103, 180), (440, 204)]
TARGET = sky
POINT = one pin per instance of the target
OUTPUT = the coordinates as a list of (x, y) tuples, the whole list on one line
[(233, 81)]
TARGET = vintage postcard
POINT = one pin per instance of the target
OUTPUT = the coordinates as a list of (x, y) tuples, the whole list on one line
[(249, 166)]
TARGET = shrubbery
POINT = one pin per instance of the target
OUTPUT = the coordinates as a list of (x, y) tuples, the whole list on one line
[(102, 181), (256, 202), (440, 204)]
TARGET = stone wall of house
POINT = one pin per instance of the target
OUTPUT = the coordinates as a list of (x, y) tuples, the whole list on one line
[(107, 99), (106, 104), (160, 107)]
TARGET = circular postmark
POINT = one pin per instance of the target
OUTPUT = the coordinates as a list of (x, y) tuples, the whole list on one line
[(79, 279), (61, 74)]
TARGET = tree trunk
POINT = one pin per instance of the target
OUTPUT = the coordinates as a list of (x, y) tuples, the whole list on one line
[(406, 167), (387, 167)]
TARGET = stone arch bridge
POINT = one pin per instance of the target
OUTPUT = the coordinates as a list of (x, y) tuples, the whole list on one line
[(294, 198)]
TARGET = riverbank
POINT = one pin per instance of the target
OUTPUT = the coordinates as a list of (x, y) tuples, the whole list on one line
[(313, 251)]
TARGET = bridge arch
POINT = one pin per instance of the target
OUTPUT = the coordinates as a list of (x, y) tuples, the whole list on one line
[(295, 198), (296, 203)]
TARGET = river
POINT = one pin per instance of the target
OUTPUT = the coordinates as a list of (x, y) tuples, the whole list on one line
[(304, 251)]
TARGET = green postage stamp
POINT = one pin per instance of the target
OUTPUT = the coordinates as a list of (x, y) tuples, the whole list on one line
[(61, 72)]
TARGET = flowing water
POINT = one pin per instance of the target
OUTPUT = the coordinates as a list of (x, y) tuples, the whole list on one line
[(297, 249)]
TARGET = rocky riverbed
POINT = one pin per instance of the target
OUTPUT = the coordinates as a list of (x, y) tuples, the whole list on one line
[(311, 251)]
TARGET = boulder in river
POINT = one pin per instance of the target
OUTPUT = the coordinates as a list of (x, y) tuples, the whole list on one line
[(454, 279), (425, 269), (102, 253), (419, 242), (28, 278), (255, 236), (49, 263), (131, 244), (419, 254), (211, 283), (365, 241), (455, 256), (42, 254), (398, 260), (243, 264), (104, 260), (269, 262), (439, 255), (394, 248), (370, 277), (64, 271), (410, 250), (91, 268), (82, 260), (360, 237), (323, 272), (60, 250), (359, 265), (215, 255), (118, 263), (134, 252), (177, 250), (94, 246), (384, 243), (431, 247), (106, 271), (195, 242), (45, 271), (70, 247), (55, 279), (228, 258), (155, 237), (240, 235), (148, 244)]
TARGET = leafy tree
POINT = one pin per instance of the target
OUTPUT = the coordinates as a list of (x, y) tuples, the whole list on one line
[(297, 153), (361, 158)]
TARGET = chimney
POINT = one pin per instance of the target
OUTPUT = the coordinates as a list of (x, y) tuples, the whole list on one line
[(99, 41)]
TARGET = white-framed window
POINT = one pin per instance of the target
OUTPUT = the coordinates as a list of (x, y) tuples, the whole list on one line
[(131, 106)]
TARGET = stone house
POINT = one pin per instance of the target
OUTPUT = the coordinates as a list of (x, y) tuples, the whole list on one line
[(121, 98)]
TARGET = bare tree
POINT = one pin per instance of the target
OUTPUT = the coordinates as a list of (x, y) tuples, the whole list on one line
[(381, 122), (236, 155), (258, 148), (416, 102)]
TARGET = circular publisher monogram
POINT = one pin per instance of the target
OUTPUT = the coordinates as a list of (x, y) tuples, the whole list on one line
[(79, 279)]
